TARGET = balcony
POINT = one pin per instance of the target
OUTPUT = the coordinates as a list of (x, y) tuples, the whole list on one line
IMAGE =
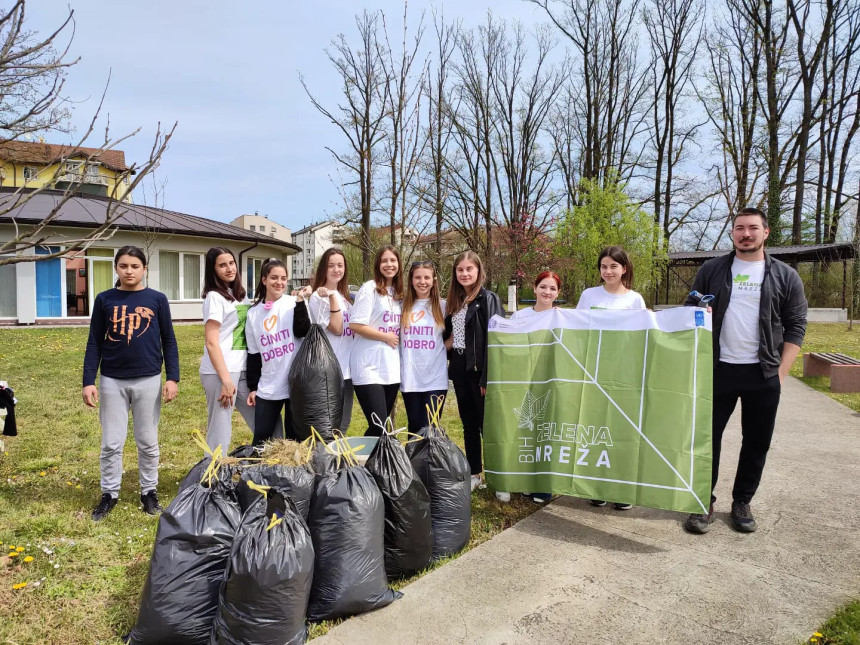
[(78, 178)]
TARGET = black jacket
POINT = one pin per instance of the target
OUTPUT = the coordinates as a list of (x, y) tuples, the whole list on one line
[(782, 310), (486, 305)]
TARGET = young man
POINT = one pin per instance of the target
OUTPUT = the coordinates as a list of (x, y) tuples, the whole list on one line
[(759, 311)]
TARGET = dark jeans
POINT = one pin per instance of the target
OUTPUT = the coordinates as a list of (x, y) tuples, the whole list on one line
[(470, 404), (759, 400), (266, 416), (379, 399), (416, 404)]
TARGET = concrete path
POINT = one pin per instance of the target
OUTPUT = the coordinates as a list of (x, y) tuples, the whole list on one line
[(572, 573)]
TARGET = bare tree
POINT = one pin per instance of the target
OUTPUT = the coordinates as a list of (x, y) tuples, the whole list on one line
[(674, 32), (470, 165), (360, 117), (405, 141), (612, 93), (524, 90), (32, 73), (439, 127)]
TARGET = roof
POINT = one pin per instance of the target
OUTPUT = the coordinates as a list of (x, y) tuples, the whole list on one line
[(797, 253), (87, 211), (47, 153), (315, 227)]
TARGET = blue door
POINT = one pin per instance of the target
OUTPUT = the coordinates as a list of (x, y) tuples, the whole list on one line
[(49, 292)]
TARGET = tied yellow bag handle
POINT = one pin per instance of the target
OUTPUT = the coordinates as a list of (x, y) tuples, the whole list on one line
[(274, 522), (216, 458)]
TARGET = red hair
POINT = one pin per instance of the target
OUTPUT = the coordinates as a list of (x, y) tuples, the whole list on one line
[(548, 274)]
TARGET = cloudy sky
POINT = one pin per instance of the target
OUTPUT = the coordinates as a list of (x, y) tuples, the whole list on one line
[(248, 138)]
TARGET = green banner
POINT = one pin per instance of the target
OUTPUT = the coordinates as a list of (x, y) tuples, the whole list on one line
[(612, 405)]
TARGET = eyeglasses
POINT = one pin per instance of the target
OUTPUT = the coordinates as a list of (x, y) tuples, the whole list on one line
[(703, 300)]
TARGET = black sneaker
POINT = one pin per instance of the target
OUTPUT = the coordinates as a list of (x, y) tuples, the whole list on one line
[(742, 519), (104, 507), (150, 503), (620, 506), (598, 502), (700, 523)]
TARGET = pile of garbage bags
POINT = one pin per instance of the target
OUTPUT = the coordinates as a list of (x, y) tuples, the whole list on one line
[(257, 543)]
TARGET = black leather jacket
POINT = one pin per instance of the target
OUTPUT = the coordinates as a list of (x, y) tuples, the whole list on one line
[(486, 305)]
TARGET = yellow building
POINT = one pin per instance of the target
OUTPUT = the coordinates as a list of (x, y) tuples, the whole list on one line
[(36, 164)]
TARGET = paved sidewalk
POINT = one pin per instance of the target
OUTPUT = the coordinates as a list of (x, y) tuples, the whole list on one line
[(572, 573)]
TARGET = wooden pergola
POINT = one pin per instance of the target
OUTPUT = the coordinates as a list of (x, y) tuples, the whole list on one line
[(679, 276)]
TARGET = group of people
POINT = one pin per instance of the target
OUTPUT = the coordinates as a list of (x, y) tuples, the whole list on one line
[(401, 335)]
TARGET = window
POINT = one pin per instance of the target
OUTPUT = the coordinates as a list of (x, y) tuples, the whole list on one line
[(179, 275), (8, 292), (253, 228), (252, 275), (30, 173)]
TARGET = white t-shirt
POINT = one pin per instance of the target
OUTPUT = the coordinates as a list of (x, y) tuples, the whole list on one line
[(231, 335), (320, 312), (270, 334), (600, 298), (524, 313), (739, 335), (373, 361), (423, 359)]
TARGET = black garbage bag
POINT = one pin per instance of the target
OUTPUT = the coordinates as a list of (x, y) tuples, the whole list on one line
[(322, 462), (346, 522), (190, 555), (195, 475), (264, 597), (408, 527), (316, 387), (442, 467), (295, 481), (246, 451)]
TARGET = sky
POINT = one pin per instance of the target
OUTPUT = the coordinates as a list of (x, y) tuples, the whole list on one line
[(248, 139)]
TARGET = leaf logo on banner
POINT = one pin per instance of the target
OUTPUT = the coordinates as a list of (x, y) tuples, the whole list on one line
[(531, 409)]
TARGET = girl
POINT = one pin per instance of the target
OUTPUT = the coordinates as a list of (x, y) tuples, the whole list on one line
[(330, 305), (375, 320), (130, 331), (274, 325), (616, 292), (470, 308), (616, 274), (547, 286), (423, 360), (225, 352)]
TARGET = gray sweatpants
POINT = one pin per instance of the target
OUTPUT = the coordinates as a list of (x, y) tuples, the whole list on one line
[(219, 428), (116, 396)]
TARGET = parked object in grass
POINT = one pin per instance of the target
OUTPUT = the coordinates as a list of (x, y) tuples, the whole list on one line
[(267, 584), (192, 548), (346, 521), (408, 526)]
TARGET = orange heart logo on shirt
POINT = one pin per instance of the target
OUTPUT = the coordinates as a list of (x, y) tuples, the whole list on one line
[(417, 316), (270, 322)]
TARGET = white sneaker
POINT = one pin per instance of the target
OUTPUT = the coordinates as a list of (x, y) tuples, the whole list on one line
[(476, 481), (504, 498)]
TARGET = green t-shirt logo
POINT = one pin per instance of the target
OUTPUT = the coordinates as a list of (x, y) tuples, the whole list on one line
[(239, 341), (741, 278)]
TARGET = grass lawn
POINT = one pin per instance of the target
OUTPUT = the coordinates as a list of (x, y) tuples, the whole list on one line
[(85, 578)]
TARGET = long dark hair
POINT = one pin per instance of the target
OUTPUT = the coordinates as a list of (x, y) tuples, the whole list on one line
[(411, 296), (211, 281), (457, 296), (133, 251), (268, 265), (619, 255), (396, 281), (320, 277)]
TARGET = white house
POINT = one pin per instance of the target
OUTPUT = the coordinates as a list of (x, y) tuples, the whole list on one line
[(64, 288)]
